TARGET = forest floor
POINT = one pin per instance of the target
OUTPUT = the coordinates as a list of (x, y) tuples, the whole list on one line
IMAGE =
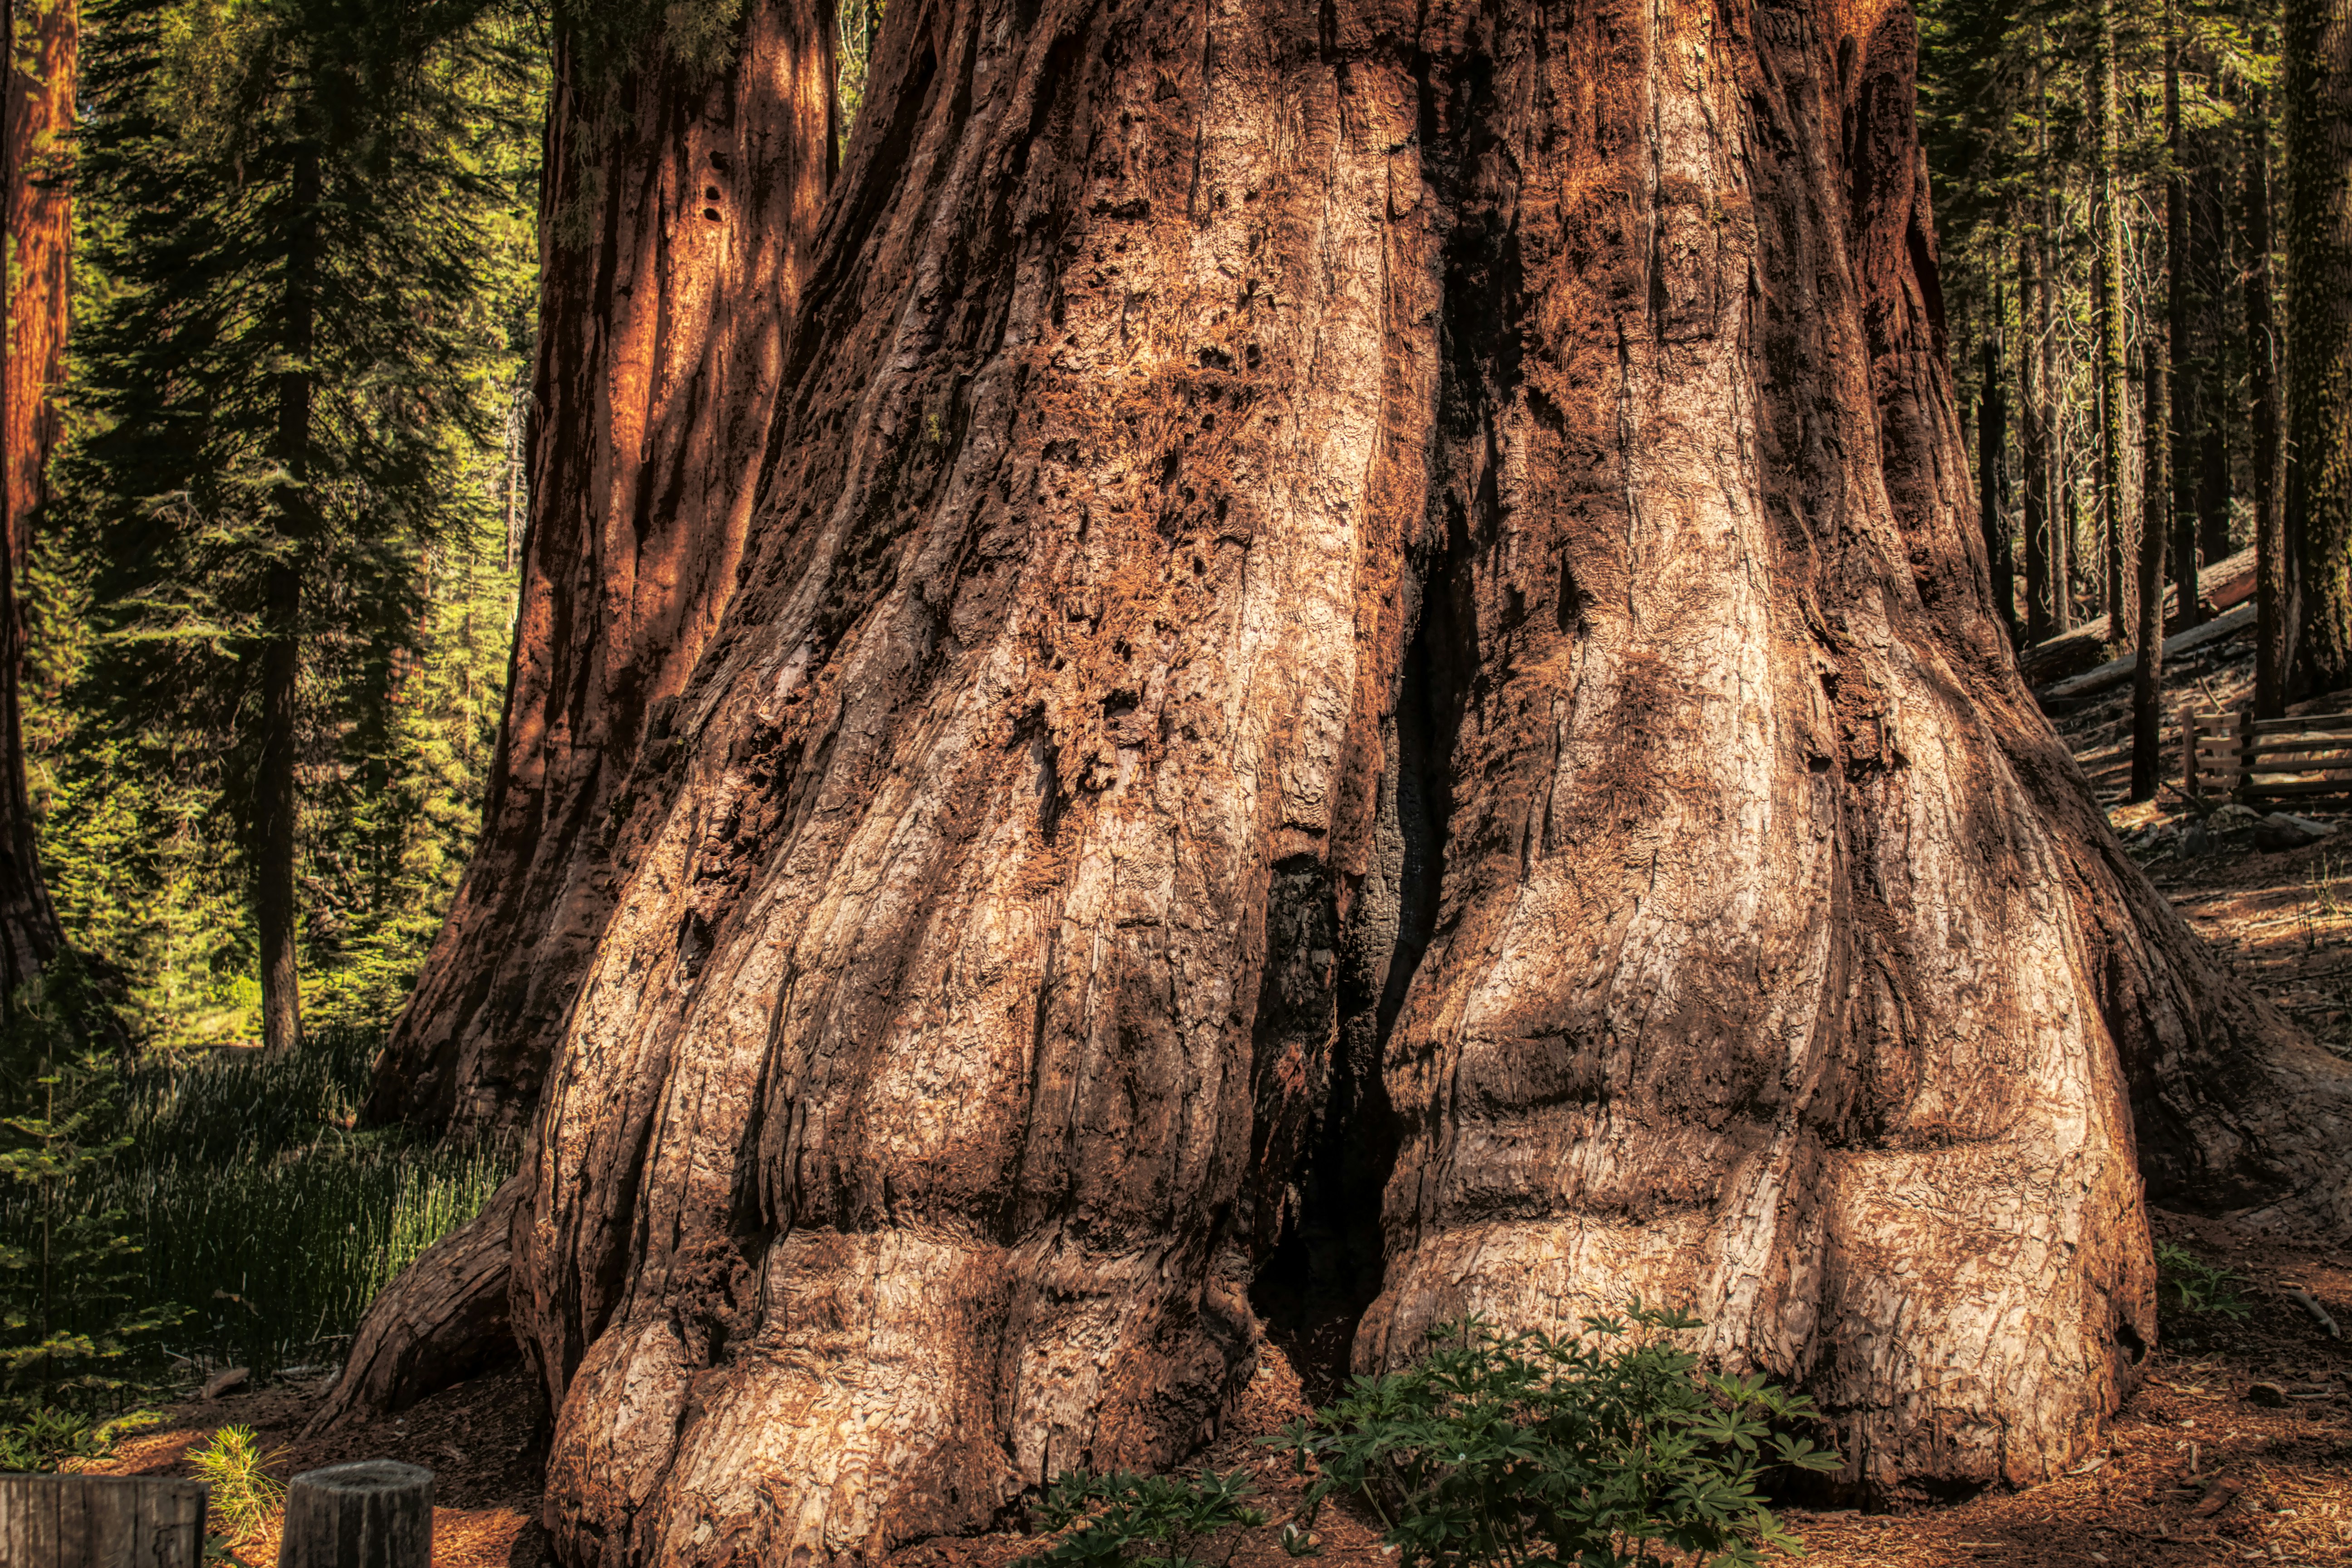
[(2195, 1471)]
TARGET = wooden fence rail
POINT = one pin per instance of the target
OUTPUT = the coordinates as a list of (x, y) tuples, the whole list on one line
[(101, 1522), (376, 1513), (2252, 760)]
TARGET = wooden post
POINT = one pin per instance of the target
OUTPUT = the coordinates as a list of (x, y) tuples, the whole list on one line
[(2189, 753), (101, 1522), (2245, 752), (374, 1513)]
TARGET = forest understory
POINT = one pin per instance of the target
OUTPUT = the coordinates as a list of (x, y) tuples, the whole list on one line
[(2195, 1470), (2264, 1484)]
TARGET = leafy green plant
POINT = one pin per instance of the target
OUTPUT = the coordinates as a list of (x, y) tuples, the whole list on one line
[(1149, 1522), (71, 1303), (2190, 1283), (39, 1438), (42, 1437), (1599, 1448), (243, 1492)]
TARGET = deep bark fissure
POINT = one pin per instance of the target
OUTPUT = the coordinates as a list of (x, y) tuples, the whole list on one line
[(1325, 1262)]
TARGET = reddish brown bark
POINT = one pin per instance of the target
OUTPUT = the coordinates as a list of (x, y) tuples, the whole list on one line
[(681, 202), (1392, 577), (442, 1320), (42, 35)]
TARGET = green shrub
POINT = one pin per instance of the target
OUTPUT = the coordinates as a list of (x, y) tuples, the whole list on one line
[(244, 1494), (1608, 1448), (2187, 1281), (1596, 1449), (73, 1303), (1151, 1522)]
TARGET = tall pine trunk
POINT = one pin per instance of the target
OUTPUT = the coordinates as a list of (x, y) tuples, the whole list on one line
[(2180, 510), (2159, 348), (2317, 50), (2276, 602), (1379, 579), (2155, 532), (1992, 478), (43, 36), (2045, 566), (679, 205), (2201, 392), (278, 653), (2059, 485), (2108, 311)]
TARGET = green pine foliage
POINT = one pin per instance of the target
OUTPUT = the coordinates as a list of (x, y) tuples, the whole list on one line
[(1610, 1447), (74, 1302), (204, 120), (167, 1207), (2008, 113)]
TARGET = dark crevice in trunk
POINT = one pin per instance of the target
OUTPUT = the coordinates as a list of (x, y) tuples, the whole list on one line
[(1328, 1259)]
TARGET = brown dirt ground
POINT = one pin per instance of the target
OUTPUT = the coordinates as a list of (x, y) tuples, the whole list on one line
[(2193, 1474)]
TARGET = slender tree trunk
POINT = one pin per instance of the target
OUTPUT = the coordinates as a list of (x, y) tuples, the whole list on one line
[(2073, 508), (278, 652), (2318, 70), (2045, 347), (2113, 350), (2277, 604), (679, 206), (2044, 566), (1993, 480), (2178, 287), (43, 36), (1304, 581), (2200, 401), (2154, 530), (2060, 487)]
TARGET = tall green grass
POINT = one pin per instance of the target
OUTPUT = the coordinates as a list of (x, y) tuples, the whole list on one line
[(260, 1211)]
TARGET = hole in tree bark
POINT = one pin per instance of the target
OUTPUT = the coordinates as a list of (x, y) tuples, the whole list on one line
[(1327, 1262)]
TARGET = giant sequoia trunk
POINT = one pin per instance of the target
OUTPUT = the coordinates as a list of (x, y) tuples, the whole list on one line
[(38, 78), (1356, 607), (1359, 580), (680, 200)]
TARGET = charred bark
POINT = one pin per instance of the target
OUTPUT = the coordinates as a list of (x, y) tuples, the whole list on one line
[(679, 203), (1301, 543), (42, 35), (2316, 55)]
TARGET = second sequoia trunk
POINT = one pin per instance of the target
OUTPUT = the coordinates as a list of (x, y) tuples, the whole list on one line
[(1359, 599), (681, 199)]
